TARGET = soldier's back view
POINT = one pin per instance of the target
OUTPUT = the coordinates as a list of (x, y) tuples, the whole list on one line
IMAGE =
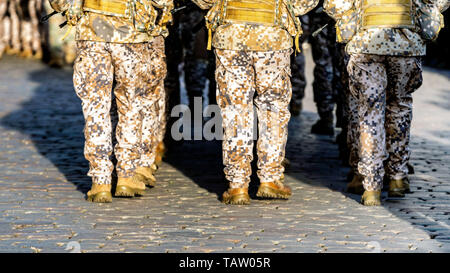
[(115, 45), (253, 43), (385, 41)]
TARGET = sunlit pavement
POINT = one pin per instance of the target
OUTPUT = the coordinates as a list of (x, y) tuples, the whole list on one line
[(43, 184)]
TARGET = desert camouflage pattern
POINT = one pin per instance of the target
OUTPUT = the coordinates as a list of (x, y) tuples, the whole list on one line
[(154, 113), (383, 41), (15, 44), (98, 64), (245, 79), (383, 86), (352, 129), (94, 26), (257, 37), (4, 26)]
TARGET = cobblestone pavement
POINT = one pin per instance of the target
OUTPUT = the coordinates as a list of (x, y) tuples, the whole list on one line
[(43, 185)]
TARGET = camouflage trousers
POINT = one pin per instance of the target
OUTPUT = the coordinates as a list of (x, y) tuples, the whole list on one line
[(14, 26), (383, 86), (154, 111), (4, 26), (136, 70), (241, 75)]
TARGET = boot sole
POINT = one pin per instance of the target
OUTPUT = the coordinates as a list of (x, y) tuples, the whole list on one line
[(125, 191), (101, 197), (266, 192), (240, 199)]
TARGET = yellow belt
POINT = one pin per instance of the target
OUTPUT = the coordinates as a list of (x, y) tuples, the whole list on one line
[(387, 13), (113, 7), (251, 12)]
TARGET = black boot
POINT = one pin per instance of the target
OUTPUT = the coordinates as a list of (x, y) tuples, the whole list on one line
[(324, 126)]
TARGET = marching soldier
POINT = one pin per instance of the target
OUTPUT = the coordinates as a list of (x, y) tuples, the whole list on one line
[(385, 40), (196, 56), (115, 44), (322, 46), (253, 44), (30, 28)]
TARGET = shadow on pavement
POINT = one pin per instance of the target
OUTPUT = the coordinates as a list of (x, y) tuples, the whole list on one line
[(54, 121)]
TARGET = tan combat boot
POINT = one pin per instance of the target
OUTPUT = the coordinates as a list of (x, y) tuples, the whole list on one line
[(236, 196), (26, 53), (160, 151), (371, 198), (145, 175), (274, 190), (129, 187), (100, 193), (356, 186), (398, 187), (38, 55)]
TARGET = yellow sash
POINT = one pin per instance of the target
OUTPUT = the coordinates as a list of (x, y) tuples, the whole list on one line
[(387, 13), (110, 7), (251, 11)]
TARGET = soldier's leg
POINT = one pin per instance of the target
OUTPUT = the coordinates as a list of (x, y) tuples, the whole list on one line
[(7, 33), (352, 141), (274, 91), (405, 76), (131, 72), (298, 83), (368, 79), (26, 34), (195, 59), (235, 91), (93, 79), (35, 8), (3, 37), (323, 83), (15, 27), (153, 113)]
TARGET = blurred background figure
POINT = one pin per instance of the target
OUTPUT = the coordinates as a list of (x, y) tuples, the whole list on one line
[(322, 48), (298, 79), (23, 34), (197, 60), (30, 29), (4, 26), (59, 52), (14, 46)]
